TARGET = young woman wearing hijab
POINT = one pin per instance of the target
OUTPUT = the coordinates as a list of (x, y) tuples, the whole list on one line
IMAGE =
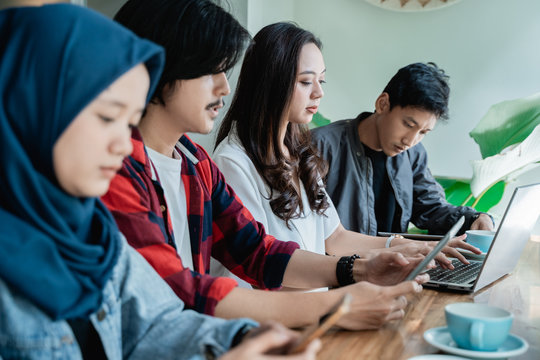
[(72, 83), (265, 151)]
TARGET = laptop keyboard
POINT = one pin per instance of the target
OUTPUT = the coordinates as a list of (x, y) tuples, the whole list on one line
[(462, 273)]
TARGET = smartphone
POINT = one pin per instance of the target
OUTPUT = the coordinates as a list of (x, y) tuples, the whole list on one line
[(325, 323)]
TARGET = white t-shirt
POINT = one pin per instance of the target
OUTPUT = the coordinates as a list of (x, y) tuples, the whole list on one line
[(169, 173), (310, 231)]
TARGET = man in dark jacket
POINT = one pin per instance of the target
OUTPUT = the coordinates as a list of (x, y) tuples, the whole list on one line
[(378, 177)]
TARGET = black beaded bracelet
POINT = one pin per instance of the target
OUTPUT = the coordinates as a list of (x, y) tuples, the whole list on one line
[(344, 270)]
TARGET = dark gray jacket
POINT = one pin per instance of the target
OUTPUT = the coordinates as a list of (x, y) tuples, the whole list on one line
[(420, 198)]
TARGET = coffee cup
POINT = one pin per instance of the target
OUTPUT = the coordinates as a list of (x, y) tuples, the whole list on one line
[(480, 238), (478, 326)]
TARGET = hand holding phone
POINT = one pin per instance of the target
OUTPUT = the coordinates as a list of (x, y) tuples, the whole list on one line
[(325, 323)]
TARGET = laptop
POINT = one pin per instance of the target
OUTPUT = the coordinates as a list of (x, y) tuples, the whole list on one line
[(513, 233)]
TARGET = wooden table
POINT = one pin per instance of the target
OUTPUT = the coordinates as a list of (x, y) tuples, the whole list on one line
[(519, 293)]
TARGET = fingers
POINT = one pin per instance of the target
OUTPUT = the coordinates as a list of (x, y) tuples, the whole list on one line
[(396, 315), (398, 308), (467, 246), (404, 288), (396, 258), (310, 353), (277, 336), (444, 261), (456, 254), (422, 279)]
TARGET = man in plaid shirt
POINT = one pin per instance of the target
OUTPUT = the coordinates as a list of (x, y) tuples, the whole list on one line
[(164, 179)]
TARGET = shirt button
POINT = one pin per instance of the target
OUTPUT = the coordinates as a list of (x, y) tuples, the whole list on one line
[(358, 153), (163, 208), (101, 315)]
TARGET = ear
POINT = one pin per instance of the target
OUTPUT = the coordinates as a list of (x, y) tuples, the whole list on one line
[(382, 104)]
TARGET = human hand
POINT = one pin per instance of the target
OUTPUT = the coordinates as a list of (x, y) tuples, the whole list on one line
[(451, 250), (408, 247), (269, 342), (483, 222), (372, 305), (411, 248), (387, 268)]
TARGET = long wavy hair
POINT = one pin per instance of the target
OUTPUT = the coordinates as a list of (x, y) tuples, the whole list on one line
[(264, 91)]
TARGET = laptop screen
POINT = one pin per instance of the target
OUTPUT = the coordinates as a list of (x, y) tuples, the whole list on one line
[(513, 233)]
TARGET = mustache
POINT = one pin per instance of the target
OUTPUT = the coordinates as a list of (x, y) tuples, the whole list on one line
[(215, 103)]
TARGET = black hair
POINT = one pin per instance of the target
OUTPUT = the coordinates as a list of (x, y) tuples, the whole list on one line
[(264, 91), (419, 85), (199, 37)]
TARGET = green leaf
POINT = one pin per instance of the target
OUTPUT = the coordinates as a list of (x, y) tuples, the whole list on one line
[(458, 192), (318, 121), (506, 123)]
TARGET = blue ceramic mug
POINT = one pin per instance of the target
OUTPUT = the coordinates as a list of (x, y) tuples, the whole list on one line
[(480, 238), (478, 326)]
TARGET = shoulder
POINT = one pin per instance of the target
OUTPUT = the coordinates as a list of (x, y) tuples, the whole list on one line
[(332, 130), (231, 151)]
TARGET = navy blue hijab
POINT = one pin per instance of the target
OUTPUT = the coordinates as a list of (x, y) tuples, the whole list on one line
[(55, 249)]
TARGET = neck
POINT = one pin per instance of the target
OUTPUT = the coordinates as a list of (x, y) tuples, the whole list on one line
[(158, 131), (368, 132)]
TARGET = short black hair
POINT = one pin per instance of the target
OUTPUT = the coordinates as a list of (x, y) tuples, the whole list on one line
[(199, 36), (419, 85)]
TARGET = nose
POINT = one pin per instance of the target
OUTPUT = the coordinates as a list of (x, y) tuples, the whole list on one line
[(222, 87), (318, 91), (411, 138), (121, 144)]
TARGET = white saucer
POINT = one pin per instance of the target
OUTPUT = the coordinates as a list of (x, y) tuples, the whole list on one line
[(440, 338)]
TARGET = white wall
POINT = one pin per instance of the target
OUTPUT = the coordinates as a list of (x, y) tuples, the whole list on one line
[(490, 49)]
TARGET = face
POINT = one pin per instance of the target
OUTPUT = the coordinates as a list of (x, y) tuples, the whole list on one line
[(195, 103), (308, 88), (90, 151), (401, 128)]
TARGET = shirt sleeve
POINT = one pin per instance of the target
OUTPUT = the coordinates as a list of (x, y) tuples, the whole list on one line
[(151, 314), (330, 218), (241, 244), (133, 201), (430, 209)]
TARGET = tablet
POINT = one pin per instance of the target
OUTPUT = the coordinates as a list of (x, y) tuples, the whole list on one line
[(442, 243)]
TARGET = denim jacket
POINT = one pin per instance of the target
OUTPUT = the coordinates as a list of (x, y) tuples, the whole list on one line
[(140, 318)]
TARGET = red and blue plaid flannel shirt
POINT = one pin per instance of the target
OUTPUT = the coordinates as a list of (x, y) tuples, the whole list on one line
[(219, 225)]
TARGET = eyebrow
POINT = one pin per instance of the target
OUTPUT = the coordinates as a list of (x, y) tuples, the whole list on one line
[(116, 103), (408, 118), (310, 72)]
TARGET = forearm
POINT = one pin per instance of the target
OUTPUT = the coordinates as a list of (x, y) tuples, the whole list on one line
[(292, 309), (307, 270), (343, 242)]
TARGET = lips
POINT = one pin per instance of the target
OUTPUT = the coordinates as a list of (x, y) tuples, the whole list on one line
[(110, 171), (312, 109), (214, 108)]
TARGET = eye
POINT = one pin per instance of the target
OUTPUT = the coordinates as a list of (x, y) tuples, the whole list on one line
[(305, 83), (106, 118), (322, 82), (408, 125)]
